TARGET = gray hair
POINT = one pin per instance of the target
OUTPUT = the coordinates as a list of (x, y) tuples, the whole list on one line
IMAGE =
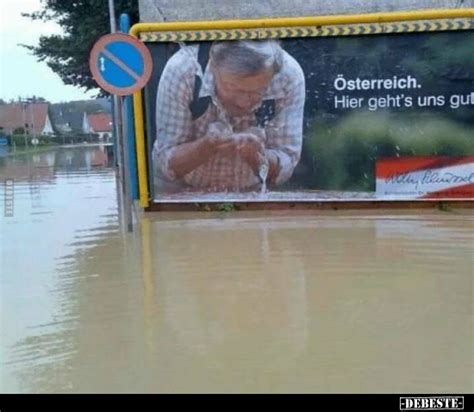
[(247, 57)]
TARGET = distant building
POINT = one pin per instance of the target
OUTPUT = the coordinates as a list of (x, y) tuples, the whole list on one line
[(31, 118), (100, 124), (68, 122), (71, 118)]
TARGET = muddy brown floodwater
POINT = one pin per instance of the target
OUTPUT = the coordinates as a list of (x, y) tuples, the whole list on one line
[(320, 302)]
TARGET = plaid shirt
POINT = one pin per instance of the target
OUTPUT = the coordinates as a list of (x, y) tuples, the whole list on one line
[(175, 124)]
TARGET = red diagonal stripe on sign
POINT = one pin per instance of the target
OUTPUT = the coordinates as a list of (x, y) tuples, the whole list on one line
[(388, 167), (458, 192)]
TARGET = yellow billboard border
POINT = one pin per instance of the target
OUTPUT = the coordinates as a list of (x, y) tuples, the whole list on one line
[(378, 23), (312, 31)]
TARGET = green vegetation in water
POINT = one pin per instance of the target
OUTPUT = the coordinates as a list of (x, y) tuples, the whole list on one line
[(227, 207), (444, 207), (220, 207)]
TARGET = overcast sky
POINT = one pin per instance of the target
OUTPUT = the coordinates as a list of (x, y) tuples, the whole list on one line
[(20, 73)]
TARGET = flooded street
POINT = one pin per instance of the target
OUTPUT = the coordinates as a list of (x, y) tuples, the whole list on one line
[(317, 301)]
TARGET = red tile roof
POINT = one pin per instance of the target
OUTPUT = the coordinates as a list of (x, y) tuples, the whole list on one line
[(100, 122), (30, 116)]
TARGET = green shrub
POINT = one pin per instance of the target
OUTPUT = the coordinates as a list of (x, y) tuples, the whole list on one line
[(18, 140)]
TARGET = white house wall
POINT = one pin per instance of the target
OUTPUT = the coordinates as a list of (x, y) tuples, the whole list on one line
[(48, 127), (86, 127)]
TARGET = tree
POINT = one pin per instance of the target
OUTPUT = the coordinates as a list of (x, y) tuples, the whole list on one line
[(83, 22)]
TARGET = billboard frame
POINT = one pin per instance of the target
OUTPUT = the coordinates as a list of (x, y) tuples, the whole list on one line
[(338, 25)]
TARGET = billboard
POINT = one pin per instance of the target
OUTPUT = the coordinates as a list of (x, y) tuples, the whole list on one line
[(313, 117)]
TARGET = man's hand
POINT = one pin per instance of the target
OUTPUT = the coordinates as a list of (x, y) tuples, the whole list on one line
[(249, 145), (223, 146), (189, 156), (219, 140), (252, 149)]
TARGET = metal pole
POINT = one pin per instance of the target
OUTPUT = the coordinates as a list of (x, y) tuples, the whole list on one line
[(23, 112), (33, 121), (126, 174), (129, 131), (115, 105), (113, 23), (121, 144)]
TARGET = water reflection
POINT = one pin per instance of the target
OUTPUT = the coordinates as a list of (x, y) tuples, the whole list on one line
[(210, 302), (44, 165), (49, 206), (325, 304)]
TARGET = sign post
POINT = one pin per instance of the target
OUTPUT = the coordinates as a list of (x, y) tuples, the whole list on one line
[(121, 65)]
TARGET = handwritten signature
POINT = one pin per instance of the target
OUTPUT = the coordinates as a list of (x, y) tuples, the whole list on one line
[(430, 178)]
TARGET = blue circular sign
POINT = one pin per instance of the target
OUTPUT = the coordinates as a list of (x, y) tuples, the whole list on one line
[(120, 64)]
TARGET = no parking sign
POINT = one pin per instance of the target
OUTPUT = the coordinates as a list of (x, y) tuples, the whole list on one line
[(120, 64)]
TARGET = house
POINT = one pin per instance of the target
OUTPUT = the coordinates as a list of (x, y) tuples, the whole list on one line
[(31, 118), (99, 123), (68, 122), (71, 118)]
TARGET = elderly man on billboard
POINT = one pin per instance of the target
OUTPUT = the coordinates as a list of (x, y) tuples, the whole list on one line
[(229, 117)]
